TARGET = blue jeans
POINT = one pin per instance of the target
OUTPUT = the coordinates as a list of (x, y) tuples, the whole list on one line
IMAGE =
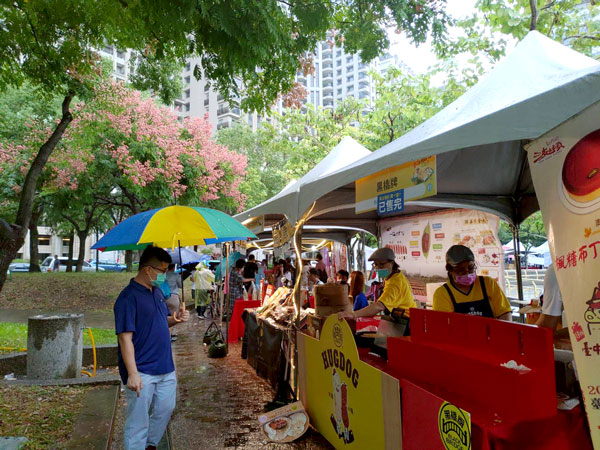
[(149, 414)]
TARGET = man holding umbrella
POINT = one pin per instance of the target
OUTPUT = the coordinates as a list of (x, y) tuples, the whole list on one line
[(142, 323)]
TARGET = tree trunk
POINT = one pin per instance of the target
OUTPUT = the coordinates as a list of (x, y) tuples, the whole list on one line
[(533, 9), (71, 246), (12, 236), (82, 235), (34, 254), (129, 260)]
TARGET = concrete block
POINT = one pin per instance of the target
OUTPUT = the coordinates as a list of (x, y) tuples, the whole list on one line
[(54, 346)]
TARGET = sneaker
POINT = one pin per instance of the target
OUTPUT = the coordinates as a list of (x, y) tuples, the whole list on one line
[(201, 316), (173, 338)]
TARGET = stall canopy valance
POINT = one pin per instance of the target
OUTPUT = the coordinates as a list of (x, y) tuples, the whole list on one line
[(478, 139)]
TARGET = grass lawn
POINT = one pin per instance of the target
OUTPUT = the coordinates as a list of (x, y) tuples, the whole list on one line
[(62, 291), (43, 414), (15, 335)]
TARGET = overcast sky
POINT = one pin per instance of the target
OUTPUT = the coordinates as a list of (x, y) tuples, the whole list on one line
[(420, 58)]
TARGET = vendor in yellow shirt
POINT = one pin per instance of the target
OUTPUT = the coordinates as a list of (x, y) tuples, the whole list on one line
[(467, 293), (396, 290)]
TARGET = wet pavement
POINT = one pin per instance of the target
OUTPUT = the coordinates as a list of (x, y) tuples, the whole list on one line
[(219, 400), (94, 319)]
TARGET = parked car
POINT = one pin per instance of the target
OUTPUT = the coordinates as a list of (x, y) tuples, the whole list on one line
[(109, 266), (49, 262), (19, 267)]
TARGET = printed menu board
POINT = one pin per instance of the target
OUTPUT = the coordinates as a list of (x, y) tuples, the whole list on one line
[(420, 242)]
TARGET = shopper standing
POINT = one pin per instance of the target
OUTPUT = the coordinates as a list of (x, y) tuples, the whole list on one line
[(250, 271), (142, 323)]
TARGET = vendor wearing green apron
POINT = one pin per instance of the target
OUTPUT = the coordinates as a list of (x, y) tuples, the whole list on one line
[(397, 293), (467, 293)]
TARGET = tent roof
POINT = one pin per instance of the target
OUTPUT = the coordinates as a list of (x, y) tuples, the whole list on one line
[(510, 247), (541, 249), (286, 201), (478, 139)]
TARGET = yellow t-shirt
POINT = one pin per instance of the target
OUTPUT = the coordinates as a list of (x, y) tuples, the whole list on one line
[(498, 301), (397, 293)]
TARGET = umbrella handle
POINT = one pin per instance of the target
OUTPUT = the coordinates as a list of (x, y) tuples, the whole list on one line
[(181, 308), (182, 304)]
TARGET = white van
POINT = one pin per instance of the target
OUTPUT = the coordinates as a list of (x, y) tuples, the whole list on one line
[(49, 262)]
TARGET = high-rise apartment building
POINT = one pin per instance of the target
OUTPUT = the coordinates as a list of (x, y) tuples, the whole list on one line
[(199, 99), (121, 60), (337, 76)]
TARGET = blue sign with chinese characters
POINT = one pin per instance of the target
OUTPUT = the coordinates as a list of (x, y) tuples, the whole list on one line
[(390, 203)]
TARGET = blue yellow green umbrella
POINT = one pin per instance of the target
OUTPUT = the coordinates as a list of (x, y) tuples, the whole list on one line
[(174, 226)]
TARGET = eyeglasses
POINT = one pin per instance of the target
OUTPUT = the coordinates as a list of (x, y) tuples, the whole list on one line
[(471, 268), (157, 269)]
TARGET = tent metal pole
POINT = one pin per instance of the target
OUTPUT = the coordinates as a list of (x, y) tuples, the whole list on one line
[(361, 253), (516, 247)]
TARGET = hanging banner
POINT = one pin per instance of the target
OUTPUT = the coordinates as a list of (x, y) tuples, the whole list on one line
[(420, 242), (386, 191), (339, 257), (565, 168), (282, 232), (352, 404), (241, 245)]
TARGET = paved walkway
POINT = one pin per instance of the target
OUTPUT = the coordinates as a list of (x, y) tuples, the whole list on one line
[(94, 319), (219, 400)]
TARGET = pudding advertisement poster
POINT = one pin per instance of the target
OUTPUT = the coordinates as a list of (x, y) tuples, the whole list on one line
[(565, 167), (420, 242)]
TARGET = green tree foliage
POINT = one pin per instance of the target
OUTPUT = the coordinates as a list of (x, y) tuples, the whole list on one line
[(265, 173), (304, 138), (532, 232), (290, 144), (50, 45), (573, 22), (403, 101)]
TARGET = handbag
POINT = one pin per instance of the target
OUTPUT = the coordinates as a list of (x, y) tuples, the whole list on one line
[(211, 332), (218, 347)]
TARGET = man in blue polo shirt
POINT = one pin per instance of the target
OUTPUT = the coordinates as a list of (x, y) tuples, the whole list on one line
[(142, 323)]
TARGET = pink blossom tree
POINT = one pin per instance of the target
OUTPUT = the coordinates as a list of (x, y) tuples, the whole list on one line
[(124, 150)]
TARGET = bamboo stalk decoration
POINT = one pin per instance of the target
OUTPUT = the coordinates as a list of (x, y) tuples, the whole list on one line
[(298, 251)]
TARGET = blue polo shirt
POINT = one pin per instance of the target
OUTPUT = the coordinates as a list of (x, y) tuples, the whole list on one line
[(144, 313)]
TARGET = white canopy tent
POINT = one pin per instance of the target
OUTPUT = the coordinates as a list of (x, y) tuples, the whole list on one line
[(541, 249), (478, 139), (478, 142), (510, 247), (287, 201), (544, 251)]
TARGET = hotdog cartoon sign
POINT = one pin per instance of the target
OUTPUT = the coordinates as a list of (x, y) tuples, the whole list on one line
[(344, 396), (565, 168)]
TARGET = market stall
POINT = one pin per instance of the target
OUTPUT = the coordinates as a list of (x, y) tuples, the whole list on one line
[(480, 163)]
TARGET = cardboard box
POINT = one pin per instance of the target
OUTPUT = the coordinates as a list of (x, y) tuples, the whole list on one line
[(532, 311), (314, 325), (331, 298), (331, 294), (285, 424)]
